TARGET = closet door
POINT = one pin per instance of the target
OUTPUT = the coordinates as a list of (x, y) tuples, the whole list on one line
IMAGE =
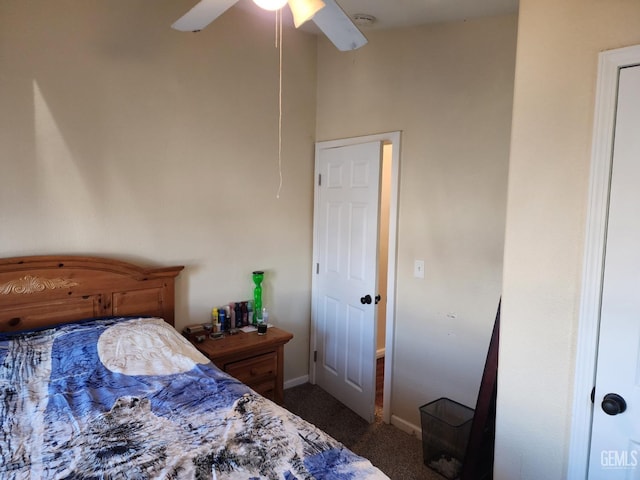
[(615, 439)]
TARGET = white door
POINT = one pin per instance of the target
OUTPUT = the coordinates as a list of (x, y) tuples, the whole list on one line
[(346, 249), (615, 439)]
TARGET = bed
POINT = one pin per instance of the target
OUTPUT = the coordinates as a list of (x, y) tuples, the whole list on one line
[(96, 383)]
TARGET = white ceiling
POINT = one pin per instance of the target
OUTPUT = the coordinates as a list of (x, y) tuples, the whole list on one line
[(401, 13)]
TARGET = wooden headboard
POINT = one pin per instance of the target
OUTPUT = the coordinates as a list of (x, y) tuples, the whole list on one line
[(42, 291)]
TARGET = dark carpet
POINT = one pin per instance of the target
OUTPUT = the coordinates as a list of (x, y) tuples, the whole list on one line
[(397, 453)]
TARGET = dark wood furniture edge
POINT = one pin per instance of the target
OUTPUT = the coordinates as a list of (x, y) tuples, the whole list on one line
[(478, 461)]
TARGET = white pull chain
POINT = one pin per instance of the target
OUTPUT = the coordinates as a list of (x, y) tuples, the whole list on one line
[(279, 46)]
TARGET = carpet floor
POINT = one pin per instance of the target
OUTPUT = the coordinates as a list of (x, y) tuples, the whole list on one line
[(397, 453)]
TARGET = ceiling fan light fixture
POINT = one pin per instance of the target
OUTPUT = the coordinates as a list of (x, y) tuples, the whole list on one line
[(270, 4), (327, 15), (304, 10)]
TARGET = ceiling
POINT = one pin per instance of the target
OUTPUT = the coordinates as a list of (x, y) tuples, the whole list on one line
[(402, 13)]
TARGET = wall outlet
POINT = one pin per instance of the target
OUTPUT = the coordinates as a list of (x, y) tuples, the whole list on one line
[(418, 268)]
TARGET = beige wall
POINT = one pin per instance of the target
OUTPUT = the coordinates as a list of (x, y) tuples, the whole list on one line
[(558, 46), (122, 137), (449, 89)]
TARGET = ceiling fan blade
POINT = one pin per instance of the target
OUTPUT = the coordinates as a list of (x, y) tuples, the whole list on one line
[(338, 27), (304, 10), (204, 12)]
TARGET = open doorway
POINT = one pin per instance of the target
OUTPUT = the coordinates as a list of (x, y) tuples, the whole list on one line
[(349, 340), (383, 267)]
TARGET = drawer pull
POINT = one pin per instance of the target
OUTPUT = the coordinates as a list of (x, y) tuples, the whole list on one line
[(14, 321)]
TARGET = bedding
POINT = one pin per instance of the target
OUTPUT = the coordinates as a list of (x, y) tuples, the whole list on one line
[(130, 398)]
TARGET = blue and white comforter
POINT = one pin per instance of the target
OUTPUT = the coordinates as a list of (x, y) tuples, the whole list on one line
[(132, 399)]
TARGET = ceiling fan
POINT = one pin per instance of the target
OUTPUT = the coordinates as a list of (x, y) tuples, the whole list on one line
[(326, 14)]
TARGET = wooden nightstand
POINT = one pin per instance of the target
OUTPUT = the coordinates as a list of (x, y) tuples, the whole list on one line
[(255, 360)]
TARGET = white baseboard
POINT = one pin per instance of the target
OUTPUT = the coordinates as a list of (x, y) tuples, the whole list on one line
[(294, 382), (406, 426), (380, 353)]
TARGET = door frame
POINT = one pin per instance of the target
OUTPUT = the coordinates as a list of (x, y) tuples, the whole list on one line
[(609, 65), (394, 139)]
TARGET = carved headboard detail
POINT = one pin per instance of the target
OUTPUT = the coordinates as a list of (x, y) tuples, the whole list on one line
[(40, 291), (30, 284)]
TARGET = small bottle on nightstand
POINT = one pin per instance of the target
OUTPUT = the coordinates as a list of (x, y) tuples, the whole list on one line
[(237, 309), (214, 320), (222, 315), (250, 313), (245, 316)]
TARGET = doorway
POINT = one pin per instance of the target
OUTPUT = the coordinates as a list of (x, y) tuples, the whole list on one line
[(615, 436), (381, 347), (611, 63), (383, 269)]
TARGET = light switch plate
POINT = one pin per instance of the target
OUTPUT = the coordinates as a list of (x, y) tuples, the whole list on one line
[(418, 268)]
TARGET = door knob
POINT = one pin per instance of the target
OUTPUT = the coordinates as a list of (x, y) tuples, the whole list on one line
[(613, 404), (378, 298), (366, 299)]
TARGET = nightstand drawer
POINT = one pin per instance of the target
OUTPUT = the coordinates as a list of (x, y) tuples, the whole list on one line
[(254, 369), (266, 389)]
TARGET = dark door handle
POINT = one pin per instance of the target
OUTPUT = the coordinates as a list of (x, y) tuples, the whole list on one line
[(365, 300), (613, 404), (377, 298)]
